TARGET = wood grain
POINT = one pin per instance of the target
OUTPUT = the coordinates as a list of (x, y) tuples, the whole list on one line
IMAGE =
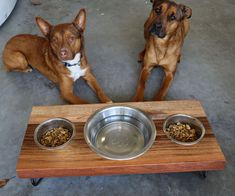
[(77, 159)]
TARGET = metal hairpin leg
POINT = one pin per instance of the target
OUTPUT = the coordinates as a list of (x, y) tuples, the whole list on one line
[(203, 174), (35, 181)]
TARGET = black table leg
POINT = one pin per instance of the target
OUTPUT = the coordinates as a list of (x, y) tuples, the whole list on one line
[(203, 174), (35, 181)]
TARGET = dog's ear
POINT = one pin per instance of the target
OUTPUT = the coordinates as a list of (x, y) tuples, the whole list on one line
[(152, 1), (158, 1), (44, 26), (80, 20), (186, 12)]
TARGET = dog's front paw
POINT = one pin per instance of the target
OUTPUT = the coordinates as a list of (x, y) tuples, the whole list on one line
[(107, 100), (28, 70), (159, 98), (136, 99)]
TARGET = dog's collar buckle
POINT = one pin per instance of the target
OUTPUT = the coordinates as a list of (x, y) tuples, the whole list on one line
[(76, 61), (70, 65)]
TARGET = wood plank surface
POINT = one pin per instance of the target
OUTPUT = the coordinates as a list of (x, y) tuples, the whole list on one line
[(77, 159)]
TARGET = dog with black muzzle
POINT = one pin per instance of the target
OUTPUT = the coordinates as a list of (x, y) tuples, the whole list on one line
[(60, 56), (164, 31)]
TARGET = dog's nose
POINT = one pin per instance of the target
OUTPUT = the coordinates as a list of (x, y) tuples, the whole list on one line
[(161, 34), (63, 52)]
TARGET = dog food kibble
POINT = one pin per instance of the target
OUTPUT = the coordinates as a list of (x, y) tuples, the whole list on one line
[(182, 132), (55, 137)]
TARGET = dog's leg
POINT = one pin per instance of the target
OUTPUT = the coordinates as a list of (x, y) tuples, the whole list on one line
[(15, 61), (92, 82), (66, 88), (167, 81), (139, 96), (141, 56), (179, 57)]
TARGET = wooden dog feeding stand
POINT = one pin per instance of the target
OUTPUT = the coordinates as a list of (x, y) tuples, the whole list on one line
[(77, 159)]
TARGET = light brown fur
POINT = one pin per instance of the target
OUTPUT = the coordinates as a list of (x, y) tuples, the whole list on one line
[(164, 52), (61, 42)]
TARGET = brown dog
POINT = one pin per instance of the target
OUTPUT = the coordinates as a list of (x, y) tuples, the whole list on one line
[(164, 31), (60, 56)]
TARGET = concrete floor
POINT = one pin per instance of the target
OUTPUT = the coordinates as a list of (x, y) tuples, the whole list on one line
[(114, 36)]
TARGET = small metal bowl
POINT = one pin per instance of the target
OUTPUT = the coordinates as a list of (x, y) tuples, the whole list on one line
[(186, 119), (119, 132), (50, 124)]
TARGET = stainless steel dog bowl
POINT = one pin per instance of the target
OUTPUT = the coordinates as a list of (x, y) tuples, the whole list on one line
[(186, 119), (119, 132), (50, 124)]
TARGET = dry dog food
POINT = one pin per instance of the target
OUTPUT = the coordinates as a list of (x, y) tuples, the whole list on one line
[(55, 137), (182, 132)]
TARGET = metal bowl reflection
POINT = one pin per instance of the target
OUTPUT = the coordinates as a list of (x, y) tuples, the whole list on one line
[(119, 132)]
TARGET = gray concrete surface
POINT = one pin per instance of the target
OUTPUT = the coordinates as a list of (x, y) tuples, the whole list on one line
[(114, 36)]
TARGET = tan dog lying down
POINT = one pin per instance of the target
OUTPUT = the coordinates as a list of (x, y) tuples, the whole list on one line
[(60, 56)]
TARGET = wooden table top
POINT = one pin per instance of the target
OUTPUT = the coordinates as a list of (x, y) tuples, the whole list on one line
[(77, 159)]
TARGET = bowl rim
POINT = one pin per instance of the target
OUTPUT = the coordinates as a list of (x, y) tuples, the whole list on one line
[(187, 116), (126, 157), (47, 121)]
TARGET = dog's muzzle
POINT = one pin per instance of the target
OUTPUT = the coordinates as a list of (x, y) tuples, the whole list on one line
[(157, 30)]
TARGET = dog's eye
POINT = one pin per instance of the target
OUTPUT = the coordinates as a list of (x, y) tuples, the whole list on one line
[(54, 39), (71, 38), (158, 10), (172, 17)]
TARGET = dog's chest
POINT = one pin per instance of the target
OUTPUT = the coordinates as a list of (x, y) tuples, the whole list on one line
[(74, 67), (76, 72), (166, 51)]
